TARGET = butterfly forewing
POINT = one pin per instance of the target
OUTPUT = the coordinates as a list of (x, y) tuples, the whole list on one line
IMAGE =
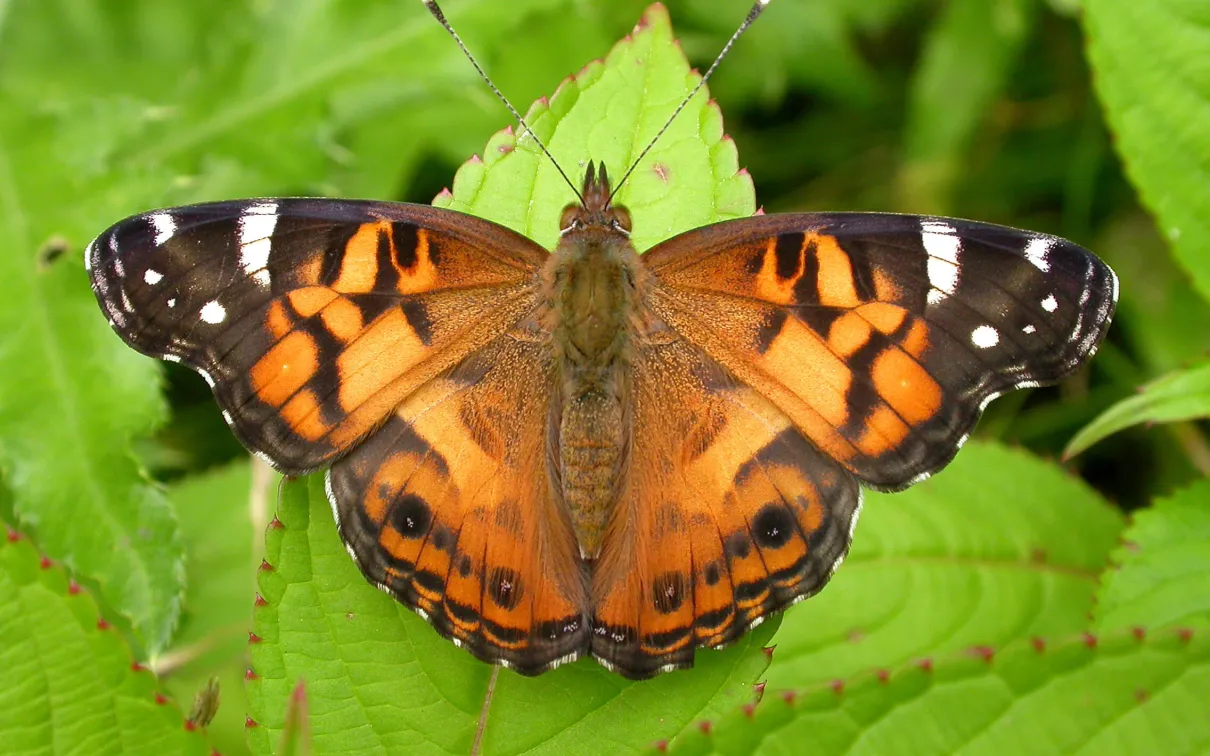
[(311, 319), (882, 337)]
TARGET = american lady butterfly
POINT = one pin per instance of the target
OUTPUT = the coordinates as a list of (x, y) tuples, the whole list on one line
[(592, 451)]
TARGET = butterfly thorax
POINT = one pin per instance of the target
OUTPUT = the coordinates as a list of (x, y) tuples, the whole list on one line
[(594, 297)]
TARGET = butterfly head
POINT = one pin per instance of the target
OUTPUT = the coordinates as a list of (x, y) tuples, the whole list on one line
[(595, 211)]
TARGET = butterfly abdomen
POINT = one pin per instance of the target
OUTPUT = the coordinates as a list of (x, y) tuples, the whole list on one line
[(592, 297)]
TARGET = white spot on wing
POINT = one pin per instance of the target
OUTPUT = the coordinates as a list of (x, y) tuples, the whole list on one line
[(152, 277), (172, 302), (1029, 329), (255, 239), (213, 313), (1050, 304), (943, 246), (1038, 252), (985, 337), (164, 225), (88, 255)]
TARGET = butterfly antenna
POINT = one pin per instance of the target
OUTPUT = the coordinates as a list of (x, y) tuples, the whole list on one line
[(753, 13), (440, 16)]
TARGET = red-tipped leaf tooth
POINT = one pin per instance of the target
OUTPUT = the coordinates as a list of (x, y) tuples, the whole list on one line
[(986, 653)]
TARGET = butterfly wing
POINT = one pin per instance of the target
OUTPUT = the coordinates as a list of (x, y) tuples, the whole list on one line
[(882, 337), (729, 513), (311, 319), (449, 508)]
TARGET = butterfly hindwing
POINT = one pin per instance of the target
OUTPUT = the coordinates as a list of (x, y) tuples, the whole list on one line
[(729, 514), (311, 319), (883, 336), (450, 509)]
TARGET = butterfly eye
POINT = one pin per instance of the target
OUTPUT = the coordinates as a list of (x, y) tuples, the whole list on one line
[(571, 219), (621, 220)]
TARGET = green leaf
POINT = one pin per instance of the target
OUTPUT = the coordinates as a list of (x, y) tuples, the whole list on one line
[(968, 57), (997, 546), (223, 546), (1149, 66), (1159, 572), (1112, 694), (67, 679), (608, 113), (1181, 395), (380, 680), (66, 403)]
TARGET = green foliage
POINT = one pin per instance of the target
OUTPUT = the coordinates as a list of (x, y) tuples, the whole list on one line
[(1153, 84), (67, 683), (1113, 694), (977, 109), (320, 622), (979, 555), (1180, 395), (1158, 575)]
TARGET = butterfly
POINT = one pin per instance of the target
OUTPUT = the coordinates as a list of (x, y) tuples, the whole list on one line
[(587, 451)]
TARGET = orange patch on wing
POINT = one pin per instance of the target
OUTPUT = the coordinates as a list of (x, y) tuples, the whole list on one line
[(800, 360), (277, 321), (302, 414), (359, 263), (711, 598), (885, 288), (343, 319), (906, 386), (884, 430), (386, 349), (835, 278), (885, 317), (849, 333), (421, 275), (917, 339), (310, 300), (285, 368), (769, 286)]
